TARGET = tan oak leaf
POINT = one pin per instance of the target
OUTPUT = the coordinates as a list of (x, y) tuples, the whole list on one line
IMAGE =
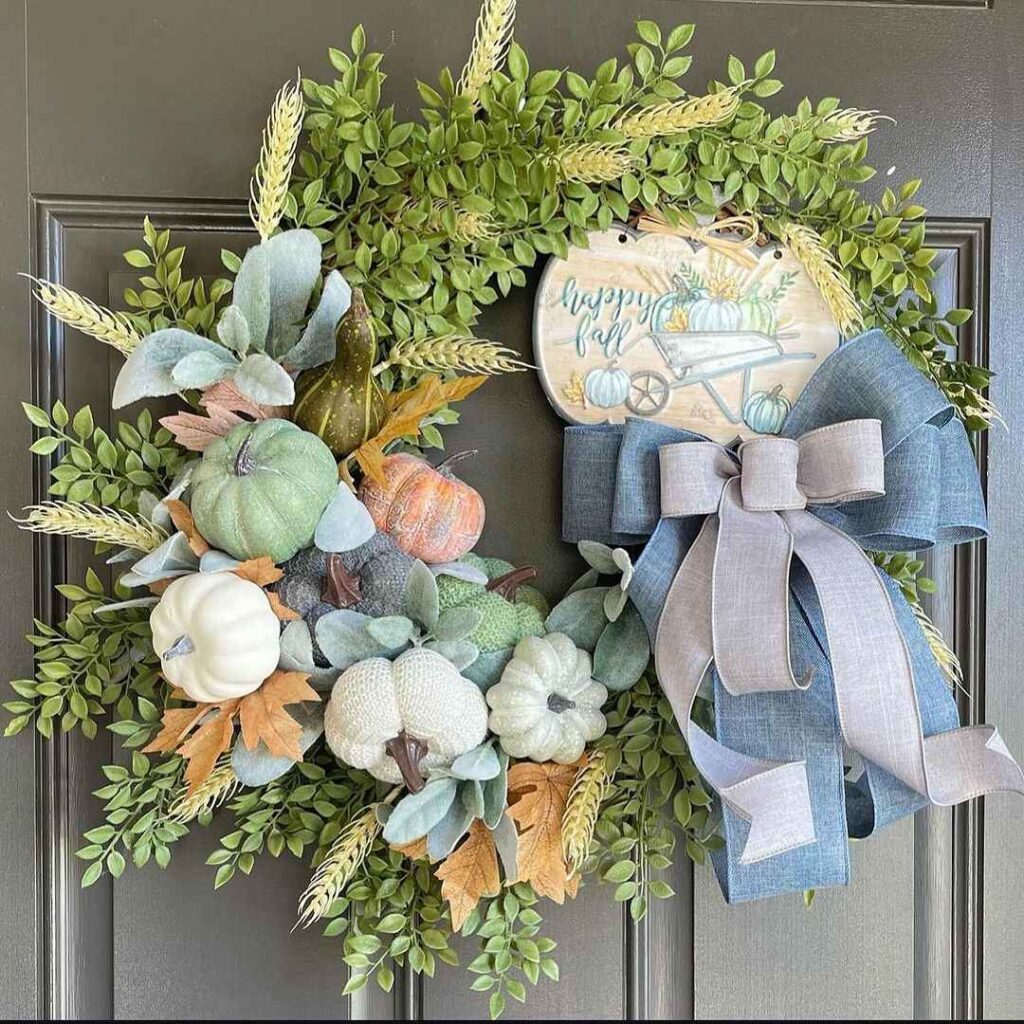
[(181, 516), (469, 872), (197, 433), (262, 713), (260, 571), (537, 795), (200, 733), (227, 396)]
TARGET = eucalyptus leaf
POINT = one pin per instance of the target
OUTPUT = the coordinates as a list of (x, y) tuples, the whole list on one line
[(625, 566), (297, 656), (441, 839), (259, 766), (486, 668), (147, 371), (233, 330), (614, 602), (496, 793), (623, 651), (421, 601), (461, 653), (173, 557), (391, 631), (157, 512), (201, 369), (597, 555), (457, 623), (580, 616), (506, 842), (345, 523), (480, 763), (264, 381), (416, 814), (317, 344), (343, 638)]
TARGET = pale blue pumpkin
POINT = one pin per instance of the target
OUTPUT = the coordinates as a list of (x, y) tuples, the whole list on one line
[(759, 315), (766, 411), (607, 386), (715, 314)]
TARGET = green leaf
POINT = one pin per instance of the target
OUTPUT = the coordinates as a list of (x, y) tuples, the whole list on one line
[(36, 416), (137, 258), (649, 32)]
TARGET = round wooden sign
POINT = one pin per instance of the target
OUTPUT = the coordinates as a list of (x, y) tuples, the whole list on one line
[(651, 325)]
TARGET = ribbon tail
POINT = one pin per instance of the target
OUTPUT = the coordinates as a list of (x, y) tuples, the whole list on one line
[(773, 796), (875, 692)]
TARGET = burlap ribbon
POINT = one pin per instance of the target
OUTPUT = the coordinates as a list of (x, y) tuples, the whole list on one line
[(728, 604)]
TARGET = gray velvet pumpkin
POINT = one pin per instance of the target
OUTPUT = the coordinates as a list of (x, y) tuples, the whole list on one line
[(377, 568)]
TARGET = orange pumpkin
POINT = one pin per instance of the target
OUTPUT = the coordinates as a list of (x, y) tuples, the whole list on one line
[(427, 510)]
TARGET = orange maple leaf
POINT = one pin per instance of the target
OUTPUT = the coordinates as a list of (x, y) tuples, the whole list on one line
[(537, 795), (260, 571), (201, 747), (181, 516), (469, 872), (262, 713), (416, 850)]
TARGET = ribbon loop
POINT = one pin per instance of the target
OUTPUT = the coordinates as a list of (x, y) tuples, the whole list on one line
[(769, 477)]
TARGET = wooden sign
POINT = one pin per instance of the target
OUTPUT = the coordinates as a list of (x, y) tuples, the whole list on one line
[(651, 325)]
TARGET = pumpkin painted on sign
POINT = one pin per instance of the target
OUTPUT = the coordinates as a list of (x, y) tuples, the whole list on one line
[(341, 401), (715, 313), (262, 489), (607, 386), (429, 513), (766, 411), (759, 314), (216, 635)]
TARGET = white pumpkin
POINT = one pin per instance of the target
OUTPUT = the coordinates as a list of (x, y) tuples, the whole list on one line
[(399, 719), (216, 635), (546, 706)]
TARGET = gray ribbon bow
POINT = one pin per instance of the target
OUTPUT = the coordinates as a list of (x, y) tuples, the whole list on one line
[(729, 604)]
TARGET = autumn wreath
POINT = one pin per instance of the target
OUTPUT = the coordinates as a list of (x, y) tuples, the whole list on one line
[(300, 626)]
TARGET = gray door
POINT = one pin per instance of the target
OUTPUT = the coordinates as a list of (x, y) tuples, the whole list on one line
[(112, 110)]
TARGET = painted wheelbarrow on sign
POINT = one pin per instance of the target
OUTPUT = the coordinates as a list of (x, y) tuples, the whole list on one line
[(701, 357)]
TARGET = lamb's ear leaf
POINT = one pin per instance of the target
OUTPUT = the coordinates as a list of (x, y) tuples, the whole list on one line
[(485, 670), (480, 763), (233, 330), (201, 369), (471, 796), (460, 571), (317, 343), (442, 838), (217, 561), (496, 794), (421, 602), (458, 623), (623, 651), (416, 814), (146, 373), (294, 265), (461, 653), (345, 523), (597, 555), (506, 842), (251, 294), (297, 656), (580, 616), (174, 556), (614, 601), (343, 638), (258, 767), (264, 381), (391, 631)]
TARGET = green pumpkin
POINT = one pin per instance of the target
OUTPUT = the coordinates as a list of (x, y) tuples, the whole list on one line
[(759, 315), (341, 401), (510, 610), (262, 489)]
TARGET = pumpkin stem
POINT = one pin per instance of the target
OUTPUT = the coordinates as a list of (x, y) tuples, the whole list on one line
[(407, 752), (507, 585), (341, 587), (244, 461), (558, 703), (183, 645), (358, 308), (777, 390), (457, 457)]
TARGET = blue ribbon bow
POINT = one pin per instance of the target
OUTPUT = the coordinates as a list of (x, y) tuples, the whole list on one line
[(932, 496)]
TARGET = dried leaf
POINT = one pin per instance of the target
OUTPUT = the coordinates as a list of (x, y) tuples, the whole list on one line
[(416, 850), (206, 743), (181, 516), (281, 610), (469, 872), (260, 571), (407, 409), (197, 433), (227, 396), (262, 714), (537, 795), (178, 723)]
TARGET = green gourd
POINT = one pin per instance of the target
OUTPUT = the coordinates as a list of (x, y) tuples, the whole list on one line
[(341, 401), (262, 489), (510, 610)]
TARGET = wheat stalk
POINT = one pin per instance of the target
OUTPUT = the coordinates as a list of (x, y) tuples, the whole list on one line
[(114, 329), (671, 118), (851, 124), (588, 791), (593, 162), (91, 522), (491, 41), (268, 189), (945, 657), (336, 870), (460, 224), (214, 790), (449, 352), (824, 271)]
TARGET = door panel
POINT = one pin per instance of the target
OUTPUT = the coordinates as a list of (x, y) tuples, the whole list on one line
[(144, 106)]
